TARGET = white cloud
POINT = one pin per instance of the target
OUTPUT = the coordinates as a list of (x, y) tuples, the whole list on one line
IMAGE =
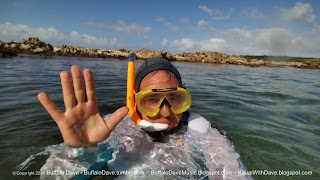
[(187, 44), (206, 9), (184, 44), (17, 32), (300, 13), (277, 41), (165, 42), (280, 41), (268, 41), (214, 44), (122, 26), (310, 45), (87, 40), (202, 23), (235, 34)]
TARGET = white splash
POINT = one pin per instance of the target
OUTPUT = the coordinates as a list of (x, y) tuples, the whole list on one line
[(181, 156)]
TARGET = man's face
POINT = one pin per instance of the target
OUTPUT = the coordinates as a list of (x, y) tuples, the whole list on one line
[(161, 80)]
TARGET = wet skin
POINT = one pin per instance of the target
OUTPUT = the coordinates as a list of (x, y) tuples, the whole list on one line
[(81, 124)]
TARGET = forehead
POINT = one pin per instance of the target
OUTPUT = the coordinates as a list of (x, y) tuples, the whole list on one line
[(160, 79)]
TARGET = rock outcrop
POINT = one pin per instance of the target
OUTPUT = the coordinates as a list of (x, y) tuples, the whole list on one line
[(29, 46), (6, 51), (146, 54), (64, 50), (76, 51), (35, 46)]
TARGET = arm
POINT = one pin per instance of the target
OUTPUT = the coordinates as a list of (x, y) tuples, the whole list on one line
[(81, 124)]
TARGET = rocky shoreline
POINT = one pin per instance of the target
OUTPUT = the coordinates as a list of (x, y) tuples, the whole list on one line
[(34, 46)]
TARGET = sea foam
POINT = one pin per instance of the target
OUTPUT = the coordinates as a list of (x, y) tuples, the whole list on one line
[(130, 153)]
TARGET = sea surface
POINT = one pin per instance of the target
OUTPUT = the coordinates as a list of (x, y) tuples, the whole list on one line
[(271, 115)]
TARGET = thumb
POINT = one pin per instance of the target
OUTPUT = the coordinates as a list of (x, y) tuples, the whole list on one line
[(116, 117)]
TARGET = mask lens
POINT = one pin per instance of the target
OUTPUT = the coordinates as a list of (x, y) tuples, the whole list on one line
[(149, 101), (175, 99)]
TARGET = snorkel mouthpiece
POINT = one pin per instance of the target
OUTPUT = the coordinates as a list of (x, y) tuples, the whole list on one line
[(148, 126)]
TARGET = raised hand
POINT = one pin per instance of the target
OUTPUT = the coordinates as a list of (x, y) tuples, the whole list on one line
[(81, 124)]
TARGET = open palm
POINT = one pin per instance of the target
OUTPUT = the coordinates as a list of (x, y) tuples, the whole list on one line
[(81, 124)]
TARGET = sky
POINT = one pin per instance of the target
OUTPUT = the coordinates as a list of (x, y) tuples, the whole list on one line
[(270, 27)]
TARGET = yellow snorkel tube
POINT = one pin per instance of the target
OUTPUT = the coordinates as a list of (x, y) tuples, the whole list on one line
[(148, 126)]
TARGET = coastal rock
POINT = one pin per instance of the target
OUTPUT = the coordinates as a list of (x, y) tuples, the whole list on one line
[(181, 58), (119, 54), (76, 51), (275, 64), (310, 65), (256, 63), (30, 46), (146, 54), (294, 64), (14, 46), (35, 46), (6, 51), (211, 57)]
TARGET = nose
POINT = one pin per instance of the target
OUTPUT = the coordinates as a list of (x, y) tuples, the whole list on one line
[(165, 110)]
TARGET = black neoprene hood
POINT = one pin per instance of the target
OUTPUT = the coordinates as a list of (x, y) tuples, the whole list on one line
[(154, 64)]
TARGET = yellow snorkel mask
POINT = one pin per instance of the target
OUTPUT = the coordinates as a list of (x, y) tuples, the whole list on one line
[(150, 101)]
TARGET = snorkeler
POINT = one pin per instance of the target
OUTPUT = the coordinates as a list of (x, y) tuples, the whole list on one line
[(161, 104), (160, 98)]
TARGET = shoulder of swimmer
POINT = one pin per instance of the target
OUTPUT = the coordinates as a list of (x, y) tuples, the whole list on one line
[(197, 124)]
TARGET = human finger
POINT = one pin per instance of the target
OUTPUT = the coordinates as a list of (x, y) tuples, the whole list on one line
[(116, 117), (90, 86), (68, 93), (78, 84), (49, 105)]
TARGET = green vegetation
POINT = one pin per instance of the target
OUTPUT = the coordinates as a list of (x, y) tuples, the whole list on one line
[(281, 58)]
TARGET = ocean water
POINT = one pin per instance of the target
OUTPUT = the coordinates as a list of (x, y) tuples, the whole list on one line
[(271, 115)]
